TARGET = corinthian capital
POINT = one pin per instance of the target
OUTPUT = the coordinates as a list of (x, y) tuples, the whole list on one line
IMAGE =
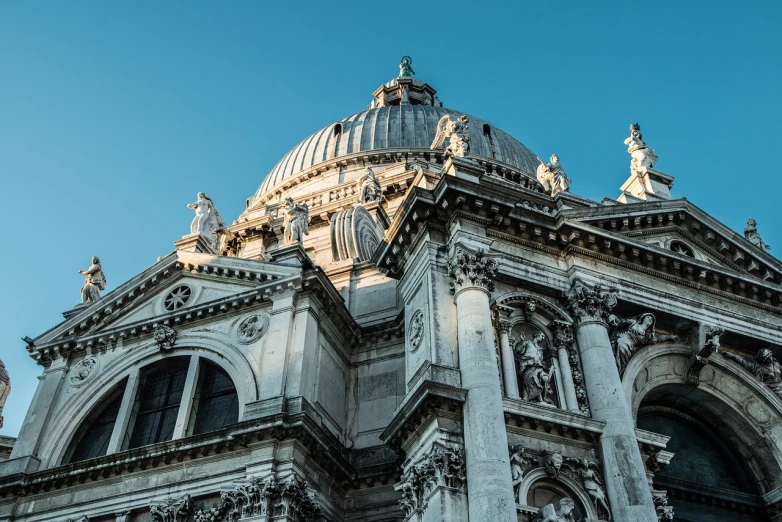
[(468, 270), (590, 303)]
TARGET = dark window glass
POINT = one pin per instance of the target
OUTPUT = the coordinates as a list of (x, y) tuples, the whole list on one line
[(96, 434), (159, 400), (218, 404)]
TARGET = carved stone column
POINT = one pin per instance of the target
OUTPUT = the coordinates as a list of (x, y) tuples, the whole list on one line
[(508, 360), (563, 338), (489, 484), (625, 476)]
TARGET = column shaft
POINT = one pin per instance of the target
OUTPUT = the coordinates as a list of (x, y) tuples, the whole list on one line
[(567, 379), (489, 484), (508, 364)]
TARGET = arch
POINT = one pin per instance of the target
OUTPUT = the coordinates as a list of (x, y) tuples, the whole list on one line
[(518, 299), (566, 482), (128, 361), (735, 407)]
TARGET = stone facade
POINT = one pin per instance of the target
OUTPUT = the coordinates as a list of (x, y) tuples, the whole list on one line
[(396, 332)]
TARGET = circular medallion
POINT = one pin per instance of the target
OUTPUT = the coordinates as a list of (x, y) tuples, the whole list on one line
[(252, 328), (177, 298), (82, 371), (416, 330)]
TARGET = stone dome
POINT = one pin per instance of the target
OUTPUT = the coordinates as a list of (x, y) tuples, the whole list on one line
[(395, 122)]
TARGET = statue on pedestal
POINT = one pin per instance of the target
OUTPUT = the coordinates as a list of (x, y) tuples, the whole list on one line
[(207, 222), (296, 222), (5, 389), (369, 187), (457, 131), (751, 233), (535, 379), (643, 158), (552, 176), (94, 283)]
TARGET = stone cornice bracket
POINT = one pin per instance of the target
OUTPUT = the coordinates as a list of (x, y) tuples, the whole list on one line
[(588, 304), (471, 270)]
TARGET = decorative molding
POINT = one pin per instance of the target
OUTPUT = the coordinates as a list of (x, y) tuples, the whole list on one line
[(83, 371), (442, 467), (172, 509), (590, 303), (252, 328), (416, 330), (164, 336), (354, 234), (468, 270)]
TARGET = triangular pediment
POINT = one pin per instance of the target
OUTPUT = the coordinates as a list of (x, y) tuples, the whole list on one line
[(681, 230), (178, 285)]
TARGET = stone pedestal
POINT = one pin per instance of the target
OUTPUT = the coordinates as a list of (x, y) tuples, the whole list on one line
[(489, 484), (625, 476), (194, 243)]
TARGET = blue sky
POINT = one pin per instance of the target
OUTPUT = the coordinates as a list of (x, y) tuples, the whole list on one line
[(113, 115)]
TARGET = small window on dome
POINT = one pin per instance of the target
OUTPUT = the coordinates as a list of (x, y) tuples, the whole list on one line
[(337, 129), (487, 135), (487, 130)]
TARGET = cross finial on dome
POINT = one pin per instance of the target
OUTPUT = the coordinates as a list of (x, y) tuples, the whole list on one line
[(406, 67)]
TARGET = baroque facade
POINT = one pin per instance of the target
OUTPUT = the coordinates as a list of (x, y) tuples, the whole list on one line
[(416, 319)]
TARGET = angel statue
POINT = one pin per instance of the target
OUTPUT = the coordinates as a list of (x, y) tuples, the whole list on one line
[(535, 379), (296, 224), (587, 472), (643, 158), (457, 132), (751, 233), (631, 334), (369, 187), (566, 513), (5, 389), (552, 176), (764, 366), (207, 221), (406, 67), (94, 282)]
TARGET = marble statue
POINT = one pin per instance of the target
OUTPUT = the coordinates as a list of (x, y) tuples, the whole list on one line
[(406, 67), (751, 233), (518, 464), (296, 222), (631, 334), (369, 187), (764, 366), (566, 513), (552, 176), (5, 389), (535, 378), (94, 282), (587, 472), (643, 158), (207, 222), (457, 131)]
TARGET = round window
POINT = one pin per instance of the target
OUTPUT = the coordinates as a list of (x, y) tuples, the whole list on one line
[(681, 248), (177, 298)]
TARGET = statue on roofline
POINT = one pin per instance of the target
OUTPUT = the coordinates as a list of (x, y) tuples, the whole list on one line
[(751, 233), (5, 389), (406, 67), (552, 176), (457, 132), (94, 283), (296, 222), (207, 221), (643, 157)]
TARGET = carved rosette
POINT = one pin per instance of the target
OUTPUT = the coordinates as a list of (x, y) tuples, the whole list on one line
[(416, 330), (252, 328), (269, 498), (590, 303), (83, 371), (442, 467), (172, 510), (468, 270), (165, 336)]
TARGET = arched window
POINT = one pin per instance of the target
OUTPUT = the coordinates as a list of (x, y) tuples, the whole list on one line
[(216, 402), (158, 404), (95, 432), (337, 129)]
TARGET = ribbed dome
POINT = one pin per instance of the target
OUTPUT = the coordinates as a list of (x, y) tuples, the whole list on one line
[(403, 127)]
